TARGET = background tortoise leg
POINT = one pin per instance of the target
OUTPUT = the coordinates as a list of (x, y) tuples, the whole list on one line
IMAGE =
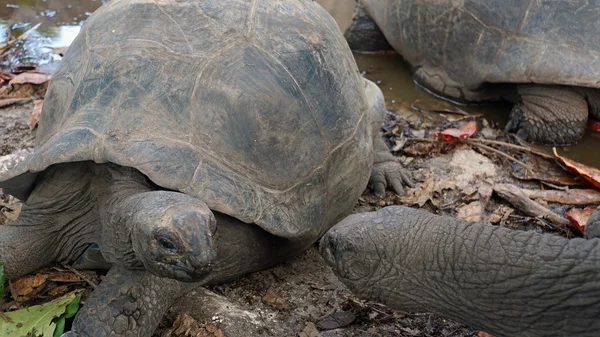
[(56, 223), (132, 302), (364, 35), (549, 115)]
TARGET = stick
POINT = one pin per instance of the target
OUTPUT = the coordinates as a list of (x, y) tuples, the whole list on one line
[(517, 198), (83, 277)]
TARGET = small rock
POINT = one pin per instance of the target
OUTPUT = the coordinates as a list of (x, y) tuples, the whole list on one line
[(337, 320)]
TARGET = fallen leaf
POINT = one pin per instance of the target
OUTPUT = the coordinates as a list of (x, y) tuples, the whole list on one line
[(26, 284), (420, 194), (46, 320), (579, 217), (436, 105), (36, 113), (471, 212), (589, 173), (63, 276), (500, 214), (186, 325), (594, 126), (30, 77), (484, 334), (453, 134), (275, 300), (310, 331), (543, 170), (58, 291)]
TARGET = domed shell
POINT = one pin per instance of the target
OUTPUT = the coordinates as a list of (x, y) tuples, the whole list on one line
[(255, 107), (496, 41)]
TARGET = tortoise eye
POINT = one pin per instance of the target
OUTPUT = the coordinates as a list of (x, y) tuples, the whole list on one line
[(167, 244)]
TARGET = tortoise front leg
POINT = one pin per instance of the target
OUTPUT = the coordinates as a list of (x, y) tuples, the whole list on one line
[(387, 171), (56, 223), (127, 303)]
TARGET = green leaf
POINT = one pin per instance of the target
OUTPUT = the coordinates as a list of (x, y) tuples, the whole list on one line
[(46, 320), (1, 279)]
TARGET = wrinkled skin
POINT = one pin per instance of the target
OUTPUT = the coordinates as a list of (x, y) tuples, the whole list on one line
[(488, 50), (74, 205), (505, 282)]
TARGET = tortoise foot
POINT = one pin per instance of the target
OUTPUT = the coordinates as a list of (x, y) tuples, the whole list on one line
[(553, 116)]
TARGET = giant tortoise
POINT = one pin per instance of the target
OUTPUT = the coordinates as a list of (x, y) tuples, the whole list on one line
[(506, 282), (193, 141), (543, 55)]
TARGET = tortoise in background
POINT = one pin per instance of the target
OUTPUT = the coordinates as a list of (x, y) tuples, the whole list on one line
[(542, 55)]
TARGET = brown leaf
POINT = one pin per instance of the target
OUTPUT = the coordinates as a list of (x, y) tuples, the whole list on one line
[(36, 113), (63, 276), (58, 291), (589, 173), (30, 77), (26, 284), (186, 325), (543, 170), (420, 194), (453, 134), (517, 198), (310, 331), (484, 334), (275, 300), (579, 217), (436, 105), (471, 212)]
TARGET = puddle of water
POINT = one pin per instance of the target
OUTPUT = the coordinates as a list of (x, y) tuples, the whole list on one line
[(60, 22), (394, 78)]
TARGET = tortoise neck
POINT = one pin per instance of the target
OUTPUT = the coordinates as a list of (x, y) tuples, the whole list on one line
[(123, 188)]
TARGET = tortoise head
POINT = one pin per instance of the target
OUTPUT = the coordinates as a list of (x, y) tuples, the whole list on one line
[(173, 236)]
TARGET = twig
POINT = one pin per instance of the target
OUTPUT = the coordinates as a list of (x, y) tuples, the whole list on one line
[(513, 146), (11, 42), (83, 277), (500, 153)]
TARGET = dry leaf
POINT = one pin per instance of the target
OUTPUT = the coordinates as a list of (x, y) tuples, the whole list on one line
[(58, 291), (472, 212), (25, 285), (63, 276), (579, 217), (543, 170), (589, 173), (36, 113), (484, 334), (453, 134), (275, 300), (30, 77)]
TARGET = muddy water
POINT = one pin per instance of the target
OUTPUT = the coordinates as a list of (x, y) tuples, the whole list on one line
[(394, 77), (61, 21)]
